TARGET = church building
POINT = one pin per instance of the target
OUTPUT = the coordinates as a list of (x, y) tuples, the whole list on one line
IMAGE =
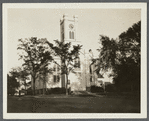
[(84, 76)]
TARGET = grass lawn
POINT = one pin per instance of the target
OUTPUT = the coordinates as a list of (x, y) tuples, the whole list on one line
[(73, 105)]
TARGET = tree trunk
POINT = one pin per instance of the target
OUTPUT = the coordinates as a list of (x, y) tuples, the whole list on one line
[(19, 88), (25, 88), (33, 86), (43, 88), (66, 84)]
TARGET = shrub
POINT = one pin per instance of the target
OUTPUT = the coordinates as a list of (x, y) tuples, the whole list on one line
[(96, 89), (110, 88), (56, 90), (29, 91)]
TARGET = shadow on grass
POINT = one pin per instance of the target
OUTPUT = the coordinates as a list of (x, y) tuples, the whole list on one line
[(81, 103)]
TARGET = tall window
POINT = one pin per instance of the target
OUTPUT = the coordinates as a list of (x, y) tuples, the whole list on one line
[(56, 76), (71, 35), (91, 79)]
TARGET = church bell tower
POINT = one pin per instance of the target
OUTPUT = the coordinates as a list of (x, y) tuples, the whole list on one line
[(68, 28), (68, 33)]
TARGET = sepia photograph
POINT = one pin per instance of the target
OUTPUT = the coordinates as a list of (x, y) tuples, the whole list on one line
[(74, 60)]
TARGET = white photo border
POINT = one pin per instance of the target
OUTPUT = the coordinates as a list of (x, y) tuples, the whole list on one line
[(143, 111)]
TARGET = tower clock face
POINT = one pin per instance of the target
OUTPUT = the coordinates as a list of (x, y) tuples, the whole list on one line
[(71, 26)]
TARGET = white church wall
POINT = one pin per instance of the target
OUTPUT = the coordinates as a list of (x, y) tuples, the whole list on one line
[(50, 82), (107, 78)]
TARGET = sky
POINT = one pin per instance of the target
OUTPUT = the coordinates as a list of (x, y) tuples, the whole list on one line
[(45, 23)]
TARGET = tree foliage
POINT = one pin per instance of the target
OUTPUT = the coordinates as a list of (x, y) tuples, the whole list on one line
[(20, 74), (12, 84), (108, 53), (130, 43), (123, 57), (67, 54), (35, 56)]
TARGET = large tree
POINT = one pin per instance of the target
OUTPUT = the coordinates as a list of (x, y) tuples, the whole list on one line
[(68, 54), (130, 50), (34, 54), (123, 57)]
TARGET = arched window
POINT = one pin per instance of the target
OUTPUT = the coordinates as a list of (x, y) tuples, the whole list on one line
[(72, 35)]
